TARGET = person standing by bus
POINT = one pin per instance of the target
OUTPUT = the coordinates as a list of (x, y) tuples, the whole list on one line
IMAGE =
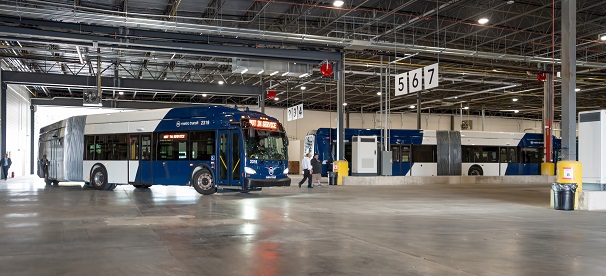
[(307, 170), (6, 164), (44, 166), (316, 167)]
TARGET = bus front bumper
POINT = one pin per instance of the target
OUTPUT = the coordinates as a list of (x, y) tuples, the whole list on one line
[(258, 183)]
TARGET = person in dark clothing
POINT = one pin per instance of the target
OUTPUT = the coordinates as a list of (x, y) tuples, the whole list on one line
[(44, 166), (6, 164), (316, 167)]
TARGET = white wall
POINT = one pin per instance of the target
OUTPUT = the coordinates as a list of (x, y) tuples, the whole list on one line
[(18, 126)]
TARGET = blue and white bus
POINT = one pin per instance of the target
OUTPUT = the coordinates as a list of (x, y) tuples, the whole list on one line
[(207, 147), (421, 152)]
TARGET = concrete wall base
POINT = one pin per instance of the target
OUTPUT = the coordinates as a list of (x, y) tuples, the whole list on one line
[(444, 180), (592, 200)]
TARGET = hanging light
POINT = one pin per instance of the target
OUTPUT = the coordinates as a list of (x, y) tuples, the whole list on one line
[(338, 3), (221, 82), (483, 20)]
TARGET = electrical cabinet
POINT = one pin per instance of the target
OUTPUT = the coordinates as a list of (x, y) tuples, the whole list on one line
[(364, 155)]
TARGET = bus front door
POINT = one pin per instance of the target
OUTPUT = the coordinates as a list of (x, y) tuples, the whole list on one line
[(139, 163), (400, 157), (229, 163)]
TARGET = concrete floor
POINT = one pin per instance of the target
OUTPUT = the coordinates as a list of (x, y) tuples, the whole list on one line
[(395, 230)]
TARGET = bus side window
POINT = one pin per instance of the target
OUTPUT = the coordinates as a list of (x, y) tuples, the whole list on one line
[(202, 145)]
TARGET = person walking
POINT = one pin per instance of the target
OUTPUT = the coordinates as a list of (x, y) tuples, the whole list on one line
[(316, 167), (307, 170), (44, 166), (6, 164)]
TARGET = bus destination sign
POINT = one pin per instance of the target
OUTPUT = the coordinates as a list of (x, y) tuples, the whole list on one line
[(175, 136), (263, 124)]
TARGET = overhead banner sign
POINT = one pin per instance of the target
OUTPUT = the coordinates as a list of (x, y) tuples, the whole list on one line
[(417, 80), (295, 112)]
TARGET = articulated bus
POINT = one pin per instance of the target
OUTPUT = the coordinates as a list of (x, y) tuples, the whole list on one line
[(422, 152), (207, 147)]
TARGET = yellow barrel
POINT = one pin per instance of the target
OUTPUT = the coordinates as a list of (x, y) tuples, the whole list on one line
[(342, 168), (547, 169), (571, 172)]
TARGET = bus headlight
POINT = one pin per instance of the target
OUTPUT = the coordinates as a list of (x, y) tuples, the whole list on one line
[(249, 170), (285, 171)]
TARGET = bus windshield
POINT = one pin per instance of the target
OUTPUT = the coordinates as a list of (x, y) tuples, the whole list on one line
[(266, 144)]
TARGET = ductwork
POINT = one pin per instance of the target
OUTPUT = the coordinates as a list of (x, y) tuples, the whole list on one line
[(262, 35)]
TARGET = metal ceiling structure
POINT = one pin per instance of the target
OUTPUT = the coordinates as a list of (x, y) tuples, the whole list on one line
[(483, 67)]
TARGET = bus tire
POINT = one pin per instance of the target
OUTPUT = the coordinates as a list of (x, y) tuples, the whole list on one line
[(48, 181), (55, 182), (203, 182), (475, 170), (111, 187), (98, 179)]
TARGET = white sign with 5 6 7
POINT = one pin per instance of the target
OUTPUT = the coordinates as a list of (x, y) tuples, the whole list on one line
[(417, 80)]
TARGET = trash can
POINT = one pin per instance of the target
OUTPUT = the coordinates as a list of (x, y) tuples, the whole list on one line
[(557, 196), (332, 178), (568, 196)]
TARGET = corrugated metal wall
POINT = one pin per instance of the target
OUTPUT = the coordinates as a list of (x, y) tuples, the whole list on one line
[(18, 123)]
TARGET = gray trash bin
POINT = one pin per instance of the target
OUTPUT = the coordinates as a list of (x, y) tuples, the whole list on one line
[(332, 178)]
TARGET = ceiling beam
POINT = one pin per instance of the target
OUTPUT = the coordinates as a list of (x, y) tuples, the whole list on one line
[(56, 80)]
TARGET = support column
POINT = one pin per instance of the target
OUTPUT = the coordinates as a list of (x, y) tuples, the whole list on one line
[(340, 75), (99, 87), (483, 118), (262, 97), (569, 74), (3, 120), (419, 109), (548, 118), (32, 134)]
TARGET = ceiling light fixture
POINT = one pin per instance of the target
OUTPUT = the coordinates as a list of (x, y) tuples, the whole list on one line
[(379, 93), (276, 99), (515, 99), (204, 95), (483, 20), (261, 72), (221, 82), (577, 89), (467, 107), (412, 106), (121, 93), (303, 87), (338, 3), (285, 73), (516, 111), (602, 37), (304, 75), (244, 71), (275, 72), (344, 104)]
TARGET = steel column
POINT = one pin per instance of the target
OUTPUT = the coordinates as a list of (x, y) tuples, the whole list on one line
[(419, 109), (3, 119), (569, 107), (262, 96), (340, 75), (32, 135), (548, 117)]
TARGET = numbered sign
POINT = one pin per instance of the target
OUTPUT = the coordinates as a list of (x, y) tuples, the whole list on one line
[(295, 112), (401, 84), (430, 76), (415, 80), (300, 111), (289, 115)]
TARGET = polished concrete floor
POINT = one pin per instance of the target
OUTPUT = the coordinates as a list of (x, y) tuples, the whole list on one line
[(395, 230)]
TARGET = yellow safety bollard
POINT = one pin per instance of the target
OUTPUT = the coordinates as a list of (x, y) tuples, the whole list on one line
[(547, 169), (571, 172), (342, 168)]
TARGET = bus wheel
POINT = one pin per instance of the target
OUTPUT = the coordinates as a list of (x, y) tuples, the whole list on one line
[(203, 182), (55, 182), (98, 179), (48, 181), (475, 170)]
